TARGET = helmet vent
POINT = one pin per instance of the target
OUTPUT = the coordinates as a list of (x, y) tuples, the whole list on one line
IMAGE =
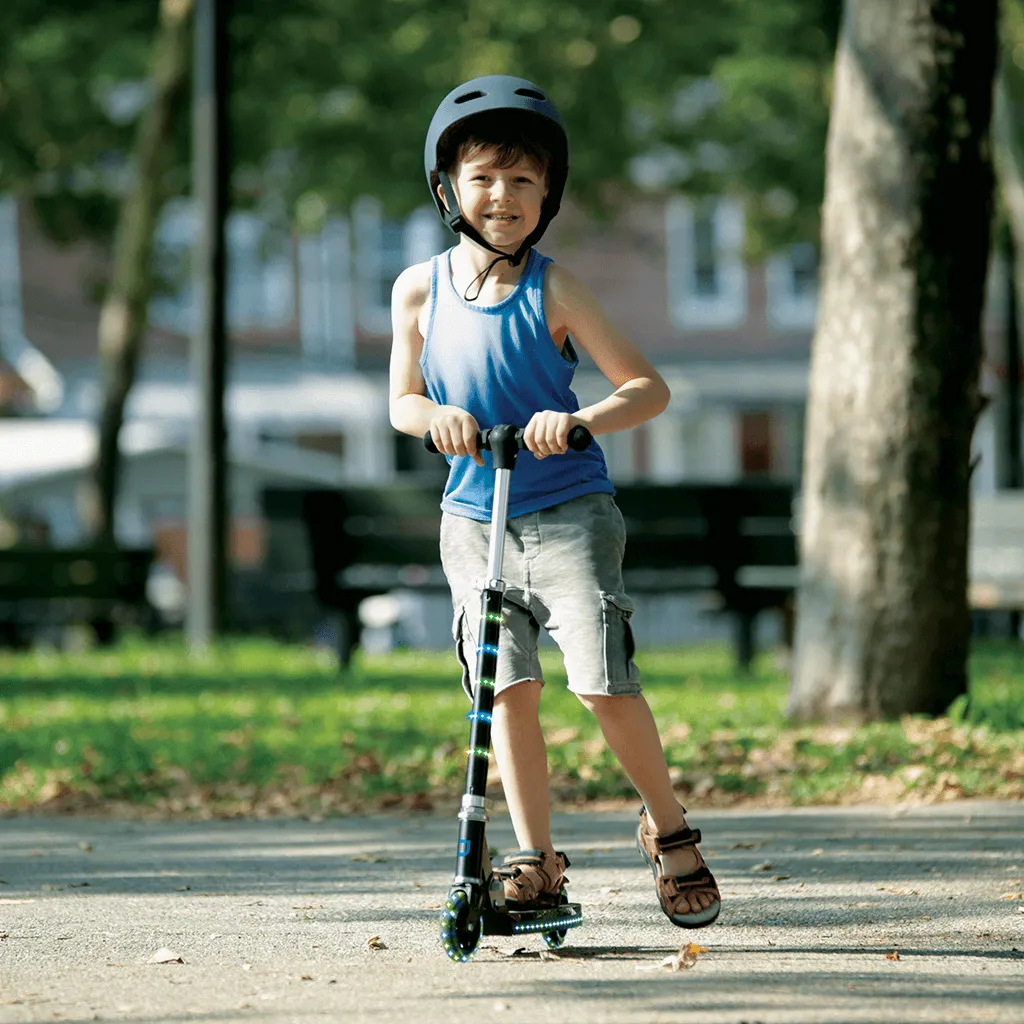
[(467, 96), (532, 93)]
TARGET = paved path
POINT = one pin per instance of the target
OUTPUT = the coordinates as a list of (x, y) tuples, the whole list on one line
[(272, 920)]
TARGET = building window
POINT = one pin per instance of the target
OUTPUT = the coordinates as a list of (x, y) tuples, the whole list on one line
[(326, 315), (707, 275), (384, 247), (705, 255), (791, 283), (757, 448), (260, 271)]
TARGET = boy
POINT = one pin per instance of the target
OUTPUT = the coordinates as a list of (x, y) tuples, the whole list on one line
[(482, 336)]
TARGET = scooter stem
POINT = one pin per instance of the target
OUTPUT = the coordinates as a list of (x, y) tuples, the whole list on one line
[(472, 849)]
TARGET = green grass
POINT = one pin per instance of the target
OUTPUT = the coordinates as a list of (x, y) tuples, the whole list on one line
[(260, 728)]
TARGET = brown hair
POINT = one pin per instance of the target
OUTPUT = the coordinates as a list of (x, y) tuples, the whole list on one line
[(509, 134)]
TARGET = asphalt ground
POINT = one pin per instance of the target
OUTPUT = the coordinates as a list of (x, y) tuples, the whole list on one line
[(862, 914)]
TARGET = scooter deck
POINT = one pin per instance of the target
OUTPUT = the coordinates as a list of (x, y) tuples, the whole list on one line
[(520, 922)]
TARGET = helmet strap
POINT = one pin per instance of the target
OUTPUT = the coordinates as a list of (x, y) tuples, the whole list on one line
[(482, 278)]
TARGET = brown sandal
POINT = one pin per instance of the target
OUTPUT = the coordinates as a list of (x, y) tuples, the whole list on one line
[(671, 888), (532, 880)]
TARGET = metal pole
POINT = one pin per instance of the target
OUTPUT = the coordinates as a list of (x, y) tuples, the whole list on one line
[(1013, 473), (207, 511), (1014, 469)]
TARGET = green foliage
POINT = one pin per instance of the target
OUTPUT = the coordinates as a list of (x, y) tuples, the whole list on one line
[(330, 99), (58, 142), (256, 727)]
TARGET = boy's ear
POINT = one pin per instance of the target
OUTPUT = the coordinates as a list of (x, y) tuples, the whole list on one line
[(440, 192)]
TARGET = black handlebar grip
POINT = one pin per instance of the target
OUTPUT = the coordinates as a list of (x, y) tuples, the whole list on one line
[(579, 440)]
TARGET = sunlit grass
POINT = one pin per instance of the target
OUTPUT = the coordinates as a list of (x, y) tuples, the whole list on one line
[(258, 727)]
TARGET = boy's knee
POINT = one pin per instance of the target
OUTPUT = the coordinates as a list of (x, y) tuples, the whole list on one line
[(519, 694)]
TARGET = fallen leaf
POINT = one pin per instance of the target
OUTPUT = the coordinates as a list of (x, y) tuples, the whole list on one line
[(894, 955), (546, 954), (369, 858), (779, 878), (310, 906), (560, 737), (374, 942), (817, 851), (1012, 896), (307, 977), (744, 846), (165, 956), (765, 865), (685, 958)]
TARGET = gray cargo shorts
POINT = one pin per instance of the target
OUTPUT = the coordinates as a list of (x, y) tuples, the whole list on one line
[(563, 571)]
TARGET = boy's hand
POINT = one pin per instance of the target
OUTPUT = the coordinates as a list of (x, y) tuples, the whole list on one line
[(454, 432), (547, 433)]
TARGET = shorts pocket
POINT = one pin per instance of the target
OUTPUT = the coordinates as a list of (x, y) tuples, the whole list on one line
[(620, 670)]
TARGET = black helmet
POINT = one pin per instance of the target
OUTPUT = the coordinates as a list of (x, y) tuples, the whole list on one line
[(487, 95)]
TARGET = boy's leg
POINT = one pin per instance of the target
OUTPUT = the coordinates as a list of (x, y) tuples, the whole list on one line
[(630, 731), (522, 758)]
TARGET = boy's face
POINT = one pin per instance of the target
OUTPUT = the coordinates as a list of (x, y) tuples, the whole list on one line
[(502, 203)]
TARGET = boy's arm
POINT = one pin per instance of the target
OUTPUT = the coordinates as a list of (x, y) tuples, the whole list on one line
[(640, 392), (453, 430)]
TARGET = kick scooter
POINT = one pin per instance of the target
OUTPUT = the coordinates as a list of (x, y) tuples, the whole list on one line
[(476, 899)]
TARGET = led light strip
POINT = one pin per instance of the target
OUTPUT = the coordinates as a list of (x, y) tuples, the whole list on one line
[(494, 617), (550, 925), (488, 649), (480, 716), (477, 752)]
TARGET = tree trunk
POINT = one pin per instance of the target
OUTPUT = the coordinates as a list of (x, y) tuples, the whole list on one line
[(883, 623), (123, 314)]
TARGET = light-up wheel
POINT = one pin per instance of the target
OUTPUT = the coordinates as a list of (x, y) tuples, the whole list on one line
[(554, 938), (460, 927)]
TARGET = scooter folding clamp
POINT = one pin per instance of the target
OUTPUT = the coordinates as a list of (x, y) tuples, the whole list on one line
[(474, 808)]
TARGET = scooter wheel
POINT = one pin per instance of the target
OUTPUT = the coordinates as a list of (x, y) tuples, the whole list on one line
[(460, 927)]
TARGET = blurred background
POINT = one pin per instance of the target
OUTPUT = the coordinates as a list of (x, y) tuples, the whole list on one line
[(697, 140)]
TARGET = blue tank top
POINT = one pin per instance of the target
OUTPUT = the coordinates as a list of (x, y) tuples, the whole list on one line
[(501, 365)]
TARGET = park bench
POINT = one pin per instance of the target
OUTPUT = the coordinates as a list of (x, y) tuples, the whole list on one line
[(732, 540), (99, 586)]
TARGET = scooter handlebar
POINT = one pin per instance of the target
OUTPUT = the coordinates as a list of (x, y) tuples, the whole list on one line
[(579, 439)]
